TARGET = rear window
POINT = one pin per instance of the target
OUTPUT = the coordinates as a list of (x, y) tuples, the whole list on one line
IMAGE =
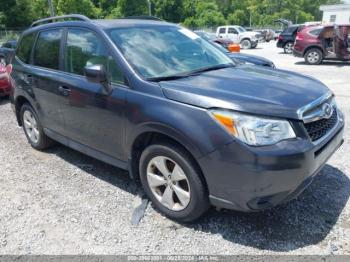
[(25, 47), (290, 30), (47, 49)]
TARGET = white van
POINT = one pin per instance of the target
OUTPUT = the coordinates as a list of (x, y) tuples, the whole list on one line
[(239, 35)]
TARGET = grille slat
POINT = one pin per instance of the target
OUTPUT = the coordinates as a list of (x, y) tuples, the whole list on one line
[(318, 129)]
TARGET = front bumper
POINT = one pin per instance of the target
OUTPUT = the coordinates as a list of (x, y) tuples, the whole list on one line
[(248, 179)]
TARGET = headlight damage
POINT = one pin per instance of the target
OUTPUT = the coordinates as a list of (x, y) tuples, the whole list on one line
[(254, 130)]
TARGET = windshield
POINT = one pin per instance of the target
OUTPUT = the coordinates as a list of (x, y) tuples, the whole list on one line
[(241, 29), (162, 51)]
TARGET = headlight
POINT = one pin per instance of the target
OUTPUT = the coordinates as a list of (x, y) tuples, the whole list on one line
[(254, 130)]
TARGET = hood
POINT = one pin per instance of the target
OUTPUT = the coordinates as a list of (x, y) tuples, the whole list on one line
[(257, 60), (250, 89), (223, 41)]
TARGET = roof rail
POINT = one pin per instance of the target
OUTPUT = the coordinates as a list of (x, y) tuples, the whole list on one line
[(144, 17), (62, 17)]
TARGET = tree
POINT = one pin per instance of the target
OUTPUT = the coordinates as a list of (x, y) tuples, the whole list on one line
[(84, 7), (169, 10), (133, 7)]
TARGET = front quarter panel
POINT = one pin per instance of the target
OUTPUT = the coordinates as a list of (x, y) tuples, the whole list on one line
[(191, 126)]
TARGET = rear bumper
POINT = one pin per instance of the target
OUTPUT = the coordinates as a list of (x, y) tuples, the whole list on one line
[(249, 179)]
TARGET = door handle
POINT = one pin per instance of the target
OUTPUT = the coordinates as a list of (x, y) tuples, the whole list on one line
[(64, 90)]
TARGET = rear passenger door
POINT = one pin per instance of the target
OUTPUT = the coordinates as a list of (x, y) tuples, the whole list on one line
[(45, 78), (93, 119)]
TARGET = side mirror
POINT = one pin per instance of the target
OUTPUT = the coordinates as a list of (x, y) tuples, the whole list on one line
[(98, 74)]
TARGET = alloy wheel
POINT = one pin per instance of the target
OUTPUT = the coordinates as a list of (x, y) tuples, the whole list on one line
[(168, 183), (313, 57), (31, 126), (289, 48)]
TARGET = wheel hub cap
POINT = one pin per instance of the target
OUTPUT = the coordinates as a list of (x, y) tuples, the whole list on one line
[(168, 183), (31, 127)]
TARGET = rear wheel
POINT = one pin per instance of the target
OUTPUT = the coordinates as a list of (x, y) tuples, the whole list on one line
[(173, 182), (288, 48), (246, 44), (33, 128), (313, 57)]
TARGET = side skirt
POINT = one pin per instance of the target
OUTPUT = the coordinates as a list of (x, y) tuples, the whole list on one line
[(86, 150)]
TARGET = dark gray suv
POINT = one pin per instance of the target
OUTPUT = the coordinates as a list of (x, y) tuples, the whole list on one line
[(155, 99)]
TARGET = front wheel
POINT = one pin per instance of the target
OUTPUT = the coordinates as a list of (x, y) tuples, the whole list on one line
[(288, 48), (246, 44), (173, 182), (313, 57)]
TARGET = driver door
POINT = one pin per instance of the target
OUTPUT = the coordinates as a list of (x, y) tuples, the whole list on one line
[(233, 34)]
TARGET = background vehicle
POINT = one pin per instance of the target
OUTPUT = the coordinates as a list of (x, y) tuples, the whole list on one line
[(6, 50), (239, 35), (175, 111), (238, 57), (225, 43), (5, 87), (287, 37), (277, 34), (266, 34), (317, 43)]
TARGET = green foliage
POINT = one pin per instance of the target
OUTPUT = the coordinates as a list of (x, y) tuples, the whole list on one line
[(191, 13)]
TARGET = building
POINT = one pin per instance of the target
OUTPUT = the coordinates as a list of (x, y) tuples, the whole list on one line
[(338, 14)]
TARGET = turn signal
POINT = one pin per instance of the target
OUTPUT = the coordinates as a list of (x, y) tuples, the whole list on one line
[(227, 122)]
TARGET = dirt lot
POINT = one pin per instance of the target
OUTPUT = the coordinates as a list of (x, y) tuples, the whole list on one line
[(62, 202)]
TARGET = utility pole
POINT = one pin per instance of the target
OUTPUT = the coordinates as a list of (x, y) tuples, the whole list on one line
[(149, 7), (52, 11)]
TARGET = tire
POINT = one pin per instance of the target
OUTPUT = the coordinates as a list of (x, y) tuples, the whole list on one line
[(193, 201), (246, 44), (313, 56), (288, 48), (33, 129)]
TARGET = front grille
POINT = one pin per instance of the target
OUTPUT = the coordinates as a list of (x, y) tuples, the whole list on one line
[(320, 128)]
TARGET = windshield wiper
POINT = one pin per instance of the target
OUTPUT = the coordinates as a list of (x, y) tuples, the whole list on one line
[(191, 73)]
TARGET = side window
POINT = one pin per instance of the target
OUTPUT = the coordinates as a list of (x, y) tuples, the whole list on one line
[(231, 30), (25, 47), (85, 48), (47, 49), (316, 32), (7, 45), (222, 30)]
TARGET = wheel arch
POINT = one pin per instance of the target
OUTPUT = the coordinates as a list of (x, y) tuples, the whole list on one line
[(19, 102), (313, 47), (151, 135)]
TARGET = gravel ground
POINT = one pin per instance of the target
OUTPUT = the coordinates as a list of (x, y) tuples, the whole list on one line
[(62, 202)]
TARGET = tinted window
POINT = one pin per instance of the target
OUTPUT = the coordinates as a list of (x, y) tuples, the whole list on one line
[(25, 47), (47, 49), (222, 31), (7, 45), (316, 32), (290, 30), (232, 31), (85, 48), (333, 18)]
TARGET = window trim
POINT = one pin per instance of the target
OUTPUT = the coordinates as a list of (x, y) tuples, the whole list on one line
[(110, 53)]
